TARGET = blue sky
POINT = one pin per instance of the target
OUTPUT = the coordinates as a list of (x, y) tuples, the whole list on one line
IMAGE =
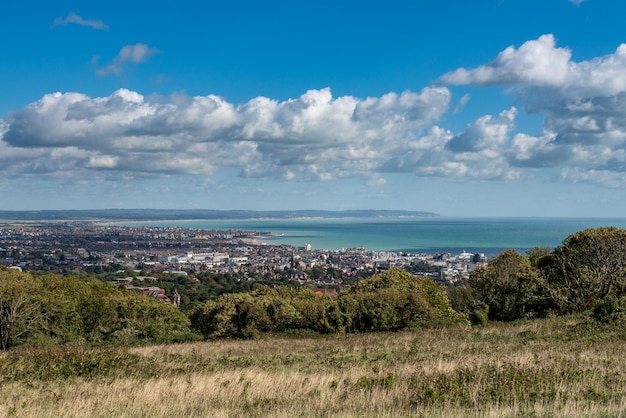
[(482, 108)]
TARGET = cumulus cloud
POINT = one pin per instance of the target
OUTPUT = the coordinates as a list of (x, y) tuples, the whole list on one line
[(133, 54), (320, 137), (73, 18), (541, 65), (487, 132), (314, 137), (538, 62), (480, 152), (583, 103)]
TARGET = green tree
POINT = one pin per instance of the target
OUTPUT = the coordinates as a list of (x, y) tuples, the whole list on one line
[(236, 315), (283, 313), (463, 300), (536, 255), (396, 299), (510, 287), (54, 309), (392, 300), (589, 266), (19, 314)]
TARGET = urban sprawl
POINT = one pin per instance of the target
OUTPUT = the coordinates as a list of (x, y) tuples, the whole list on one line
[(146, 252)]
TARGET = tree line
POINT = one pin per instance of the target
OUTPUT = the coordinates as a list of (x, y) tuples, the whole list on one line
[(390, 301), (51, 309)]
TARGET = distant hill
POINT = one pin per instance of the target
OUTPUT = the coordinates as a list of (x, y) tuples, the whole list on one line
[(178, 214)]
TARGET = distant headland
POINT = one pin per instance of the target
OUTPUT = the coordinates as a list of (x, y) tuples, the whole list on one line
[(179, 214)]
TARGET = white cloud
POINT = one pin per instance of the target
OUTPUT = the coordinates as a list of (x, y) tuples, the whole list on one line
[(73, 18), (605, 177), (576, 2), (583, 103), (486, 132), (134, 54), (480, 152), (461, 103), (99, 161), (319, 137), (538, 62), (314, 137), (540, 65)]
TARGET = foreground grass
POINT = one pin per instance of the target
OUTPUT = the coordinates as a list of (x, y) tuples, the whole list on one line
[(557, 367)]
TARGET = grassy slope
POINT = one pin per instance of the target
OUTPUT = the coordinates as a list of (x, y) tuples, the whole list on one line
[(556, 367)]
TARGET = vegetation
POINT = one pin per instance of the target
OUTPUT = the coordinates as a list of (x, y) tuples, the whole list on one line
[(49, 310), (200, 288), (509, 287), (548, 340), (586, 272), (390, 301), (559, 367)]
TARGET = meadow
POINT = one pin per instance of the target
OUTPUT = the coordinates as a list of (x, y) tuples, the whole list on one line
[(557, 367)]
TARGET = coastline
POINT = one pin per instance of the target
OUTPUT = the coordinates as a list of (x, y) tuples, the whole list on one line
[(413, 235), (489, 236), (257, 239)]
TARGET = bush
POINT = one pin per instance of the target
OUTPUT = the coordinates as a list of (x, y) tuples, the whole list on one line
[(511, 288), (393, 300), (479, 314), (396, 300), (608, 309), (52, 309)]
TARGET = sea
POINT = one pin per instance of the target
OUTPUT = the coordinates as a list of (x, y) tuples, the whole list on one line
[(429, 235)]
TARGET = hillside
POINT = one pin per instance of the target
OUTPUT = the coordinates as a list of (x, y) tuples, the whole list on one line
[(558, 367)]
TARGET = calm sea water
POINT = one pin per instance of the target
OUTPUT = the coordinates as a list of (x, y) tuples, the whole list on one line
[(416, 235)]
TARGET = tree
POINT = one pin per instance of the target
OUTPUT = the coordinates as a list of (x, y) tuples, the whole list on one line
[(510, 287), (463, 300), (396, 299), (19, 315), (51, 308), (589, 266), (537, 254), (238, 315)]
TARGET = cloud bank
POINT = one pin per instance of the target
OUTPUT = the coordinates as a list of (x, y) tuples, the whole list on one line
[(319, 137), (313, 137)]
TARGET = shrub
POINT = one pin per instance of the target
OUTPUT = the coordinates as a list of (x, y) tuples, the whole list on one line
[(608, 309), (48, 309)]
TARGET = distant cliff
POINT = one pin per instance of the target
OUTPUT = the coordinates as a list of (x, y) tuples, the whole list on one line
[(177, 214)]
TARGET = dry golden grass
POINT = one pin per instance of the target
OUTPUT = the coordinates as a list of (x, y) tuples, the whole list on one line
[(556, 368)]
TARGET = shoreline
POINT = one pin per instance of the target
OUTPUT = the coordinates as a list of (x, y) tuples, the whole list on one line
[(487, 236)]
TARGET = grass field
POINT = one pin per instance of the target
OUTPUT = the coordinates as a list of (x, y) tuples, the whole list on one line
[(560, 367)]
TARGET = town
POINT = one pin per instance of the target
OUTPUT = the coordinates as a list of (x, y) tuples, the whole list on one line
[(132, 255)]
